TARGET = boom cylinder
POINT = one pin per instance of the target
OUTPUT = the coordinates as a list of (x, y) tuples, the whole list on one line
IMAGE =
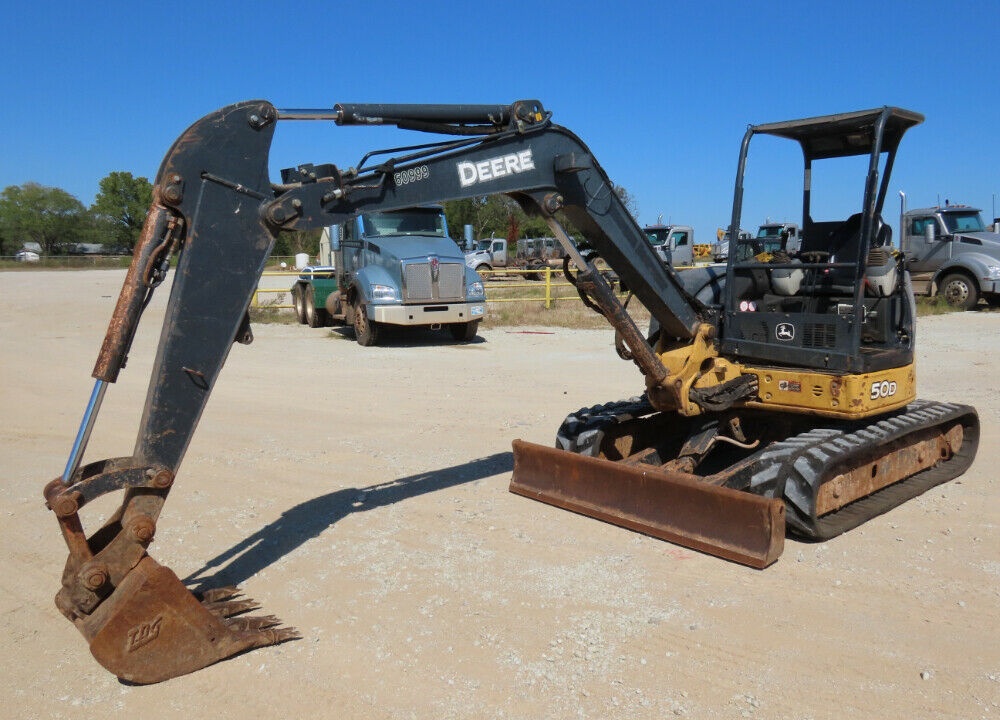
[(390, 113)]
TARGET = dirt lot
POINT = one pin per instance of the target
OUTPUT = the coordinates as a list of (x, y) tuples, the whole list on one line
[(361, 495)]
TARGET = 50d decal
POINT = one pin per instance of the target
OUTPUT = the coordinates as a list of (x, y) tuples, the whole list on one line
[(411, 175), (884, 389)]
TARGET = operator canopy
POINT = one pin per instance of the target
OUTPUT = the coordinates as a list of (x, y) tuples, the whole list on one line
[(844, 134)]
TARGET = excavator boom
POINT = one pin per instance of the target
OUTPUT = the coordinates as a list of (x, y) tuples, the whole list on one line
[(655, 464)]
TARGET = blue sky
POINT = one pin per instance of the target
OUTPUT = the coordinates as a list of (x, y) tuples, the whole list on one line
[(661, 91)]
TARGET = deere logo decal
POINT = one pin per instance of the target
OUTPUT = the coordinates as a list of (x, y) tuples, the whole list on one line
[(493, 168)]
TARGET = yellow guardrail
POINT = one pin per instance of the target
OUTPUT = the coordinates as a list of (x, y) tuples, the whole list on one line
[(255, 301)]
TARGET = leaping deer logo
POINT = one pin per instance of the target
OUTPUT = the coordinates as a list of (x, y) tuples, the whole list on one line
[(784, 331)]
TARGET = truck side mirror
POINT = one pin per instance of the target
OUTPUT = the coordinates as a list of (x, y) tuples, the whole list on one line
[(930, 233)]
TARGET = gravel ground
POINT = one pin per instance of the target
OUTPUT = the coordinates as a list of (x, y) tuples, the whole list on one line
[(361, 495)]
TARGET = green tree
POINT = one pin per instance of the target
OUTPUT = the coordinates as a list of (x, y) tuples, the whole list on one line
[(297, 241), (628, 200), (121, 206), (490, 216), (48, 216)]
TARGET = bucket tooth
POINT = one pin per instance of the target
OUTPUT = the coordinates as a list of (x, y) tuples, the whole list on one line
[(152, 628), (216, 594), (731, 524), (252, 622), (228, 608)]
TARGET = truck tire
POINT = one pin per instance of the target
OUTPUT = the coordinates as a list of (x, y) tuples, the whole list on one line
[(483, 268), (299, 303), (535, 269), (315, 317), (464, 332), (366, 331), (959, 290)]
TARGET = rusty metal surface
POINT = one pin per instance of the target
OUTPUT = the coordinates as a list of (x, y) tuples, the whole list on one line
[(719, 521), (591, 283), (898, 464), (156, 240), (153, 628)]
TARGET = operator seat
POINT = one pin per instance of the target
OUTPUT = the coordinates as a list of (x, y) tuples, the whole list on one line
[(843, 246)]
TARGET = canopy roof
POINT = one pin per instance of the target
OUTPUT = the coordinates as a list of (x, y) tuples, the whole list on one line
[(844, 134)]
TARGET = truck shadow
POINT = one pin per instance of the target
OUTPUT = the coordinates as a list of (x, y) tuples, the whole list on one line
[(307, 520), (408, 337)]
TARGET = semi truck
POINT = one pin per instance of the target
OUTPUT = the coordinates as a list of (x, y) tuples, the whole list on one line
[(783, 236), (391, 268), (673, 244), (951, 252)]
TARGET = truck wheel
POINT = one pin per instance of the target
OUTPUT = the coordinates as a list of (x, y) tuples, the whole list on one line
[(299, 303), (365, 330), (463, 332), (484, 268), (315, 317), (959, 291)]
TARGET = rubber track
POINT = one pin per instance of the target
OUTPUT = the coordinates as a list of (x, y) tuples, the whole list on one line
[(582, 431), (795, 468)]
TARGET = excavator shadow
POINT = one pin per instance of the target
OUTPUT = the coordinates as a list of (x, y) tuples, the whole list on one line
[(305, 521)]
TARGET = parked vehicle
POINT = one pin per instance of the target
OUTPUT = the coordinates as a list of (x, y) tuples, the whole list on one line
[(391, 268), (530, 255), (27, 256), (673, 244), (784, 236), (950, 251), (720, 252)]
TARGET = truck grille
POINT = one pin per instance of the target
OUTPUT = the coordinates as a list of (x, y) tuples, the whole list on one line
[(419, 286)]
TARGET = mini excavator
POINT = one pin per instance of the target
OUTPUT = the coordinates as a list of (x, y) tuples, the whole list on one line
[(780, 389)]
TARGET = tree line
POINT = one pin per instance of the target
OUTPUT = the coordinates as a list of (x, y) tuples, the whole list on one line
[(58, 222)]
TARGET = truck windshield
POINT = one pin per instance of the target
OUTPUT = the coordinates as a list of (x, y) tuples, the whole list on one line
[(483, 245), (657, 236), (770, 239), (414, 221), (963, 222), (747, 250)]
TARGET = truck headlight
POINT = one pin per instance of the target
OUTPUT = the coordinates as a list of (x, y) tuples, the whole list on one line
[(476, 290), (383, 293), (993, 272)]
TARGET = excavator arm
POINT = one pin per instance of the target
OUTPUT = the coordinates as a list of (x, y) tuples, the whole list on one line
[(216, 209)]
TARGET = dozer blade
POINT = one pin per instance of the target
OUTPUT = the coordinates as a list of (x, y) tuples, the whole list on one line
[(152, 628), (731, 524)]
